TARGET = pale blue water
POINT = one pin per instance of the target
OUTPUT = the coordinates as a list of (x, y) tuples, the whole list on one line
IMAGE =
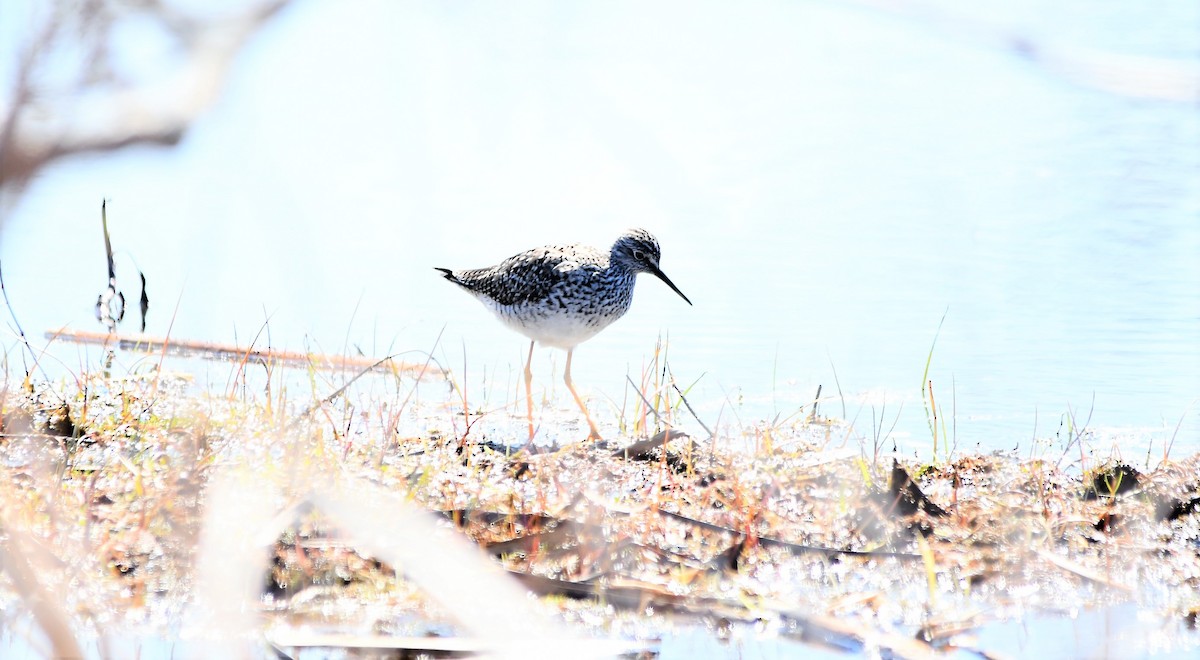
[(827, 181)]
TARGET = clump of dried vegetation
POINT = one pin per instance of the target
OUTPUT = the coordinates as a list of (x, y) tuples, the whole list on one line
[(144, 506)]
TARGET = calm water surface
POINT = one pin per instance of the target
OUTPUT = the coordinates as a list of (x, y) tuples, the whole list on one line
[(827, 182)]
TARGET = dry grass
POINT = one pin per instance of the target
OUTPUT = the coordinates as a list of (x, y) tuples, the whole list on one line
[(140, 506)]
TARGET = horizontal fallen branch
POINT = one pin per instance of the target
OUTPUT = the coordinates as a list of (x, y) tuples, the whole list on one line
[(213, 351), (794, 548)]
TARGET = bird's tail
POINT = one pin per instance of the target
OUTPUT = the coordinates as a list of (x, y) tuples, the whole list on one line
[(447, 273)]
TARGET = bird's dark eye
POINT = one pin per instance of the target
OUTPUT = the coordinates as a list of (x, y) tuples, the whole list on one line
[(639, 255)]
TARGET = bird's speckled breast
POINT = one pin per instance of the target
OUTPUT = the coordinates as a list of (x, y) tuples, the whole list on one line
[(583, 302)]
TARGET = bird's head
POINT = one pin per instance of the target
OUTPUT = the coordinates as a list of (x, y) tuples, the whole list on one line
[(638, 251)]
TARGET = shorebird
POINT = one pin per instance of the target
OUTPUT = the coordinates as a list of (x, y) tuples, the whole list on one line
[(562, 295)]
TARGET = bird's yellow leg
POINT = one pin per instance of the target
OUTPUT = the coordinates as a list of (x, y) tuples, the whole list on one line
[(593, 433), (529, 389)]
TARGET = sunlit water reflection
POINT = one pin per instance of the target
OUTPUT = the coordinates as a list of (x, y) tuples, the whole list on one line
[(827, 184)]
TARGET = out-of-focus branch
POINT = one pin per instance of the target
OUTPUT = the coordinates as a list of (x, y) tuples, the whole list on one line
[(101, 112), (1125, 75)]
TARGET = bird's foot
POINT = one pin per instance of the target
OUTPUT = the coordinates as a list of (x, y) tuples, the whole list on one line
[(593, 432)]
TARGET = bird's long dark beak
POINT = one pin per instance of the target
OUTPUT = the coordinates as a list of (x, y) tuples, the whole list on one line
[(663, 276)]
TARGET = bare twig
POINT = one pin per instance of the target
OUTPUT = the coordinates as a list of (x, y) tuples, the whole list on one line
[(649, 406), (689, 407)]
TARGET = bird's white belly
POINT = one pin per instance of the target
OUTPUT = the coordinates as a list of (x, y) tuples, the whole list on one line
[(554, 327), (559, 330)]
